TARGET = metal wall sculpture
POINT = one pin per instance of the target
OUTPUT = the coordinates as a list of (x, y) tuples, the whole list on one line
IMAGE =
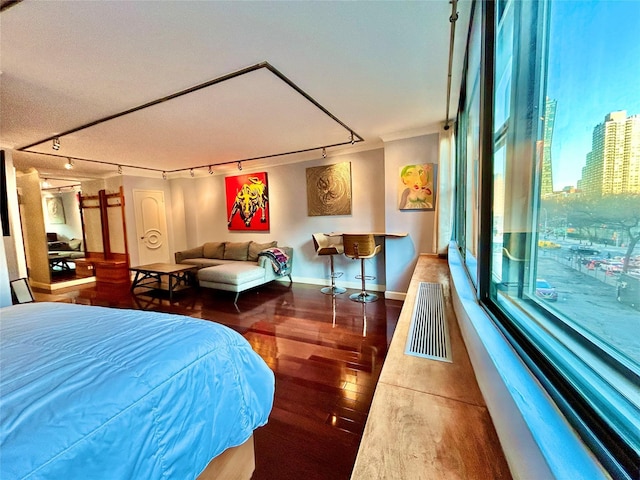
[(247, 202), (329, 190)]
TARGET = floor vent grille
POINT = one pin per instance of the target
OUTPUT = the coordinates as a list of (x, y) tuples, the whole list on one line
[(428, 333)]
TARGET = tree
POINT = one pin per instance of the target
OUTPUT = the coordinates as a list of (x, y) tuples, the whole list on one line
[(590, 214)]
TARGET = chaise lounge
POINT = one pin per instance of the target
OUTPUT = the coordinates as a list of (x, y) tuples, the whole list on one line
[(238, 266)]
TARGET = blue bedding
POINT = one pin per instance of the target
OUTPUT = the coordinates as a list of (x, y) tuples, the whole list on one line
[(92, 392)]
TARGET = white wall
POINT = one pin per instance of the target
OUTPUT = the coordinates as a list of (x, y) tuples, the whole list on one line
[(205, 216), (72, 228), (402, 254), (374, 208), (16, 262), (196, 213)]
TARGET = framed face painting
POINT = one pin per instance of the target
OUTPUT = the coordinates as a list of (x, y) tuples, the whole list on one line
[(416, 187), (55, 210), (247, 202)]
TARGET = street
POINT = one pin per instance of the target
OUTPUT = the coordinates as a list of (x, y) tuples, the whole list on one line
[(588, 297)]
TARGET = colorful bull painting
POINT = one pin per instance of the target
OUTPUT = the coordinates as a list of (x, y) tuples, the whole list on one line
[(247, 202)]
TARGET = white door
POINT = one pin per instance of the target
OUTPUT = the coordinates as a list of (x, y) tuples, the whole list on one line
[(151, 226)]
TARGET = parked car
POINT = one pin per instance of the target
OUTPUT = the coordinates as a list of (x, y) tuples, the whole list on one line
[(583, 250), (545, 290), (611, 266), (548, 244)]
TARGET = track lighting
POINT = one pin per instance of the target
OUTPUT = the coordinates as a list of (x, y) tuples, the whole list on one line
[(210, 170), (56, 144), (353, 140), (191, 173), (239, 165), (69, 164), (324, 152), (164, 175), (46, 184), (119, 169)]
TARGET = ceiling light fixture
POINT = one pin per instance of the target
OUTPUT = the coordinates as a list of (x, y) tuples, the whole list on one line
[(69, 164), (46, 183), (210, 170), (164, 175), (239, 165), (56, 144), (353, 140), (324, 152), (119, 169), (191, 173)]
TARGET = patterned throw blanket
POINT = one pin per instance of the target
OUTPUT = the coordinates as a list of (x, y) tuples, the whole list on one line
[(279, 260)]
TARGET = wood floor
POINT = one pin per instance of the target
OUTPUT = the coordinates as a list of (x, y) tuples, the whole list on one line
[(326, 352)]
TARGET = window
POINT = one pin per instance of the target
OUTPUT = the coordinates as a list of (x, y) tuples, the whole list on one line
[(563, 233), (470, 221)]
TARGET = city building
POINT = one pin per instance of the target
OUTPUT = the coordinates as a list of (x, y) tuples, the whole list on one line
[(613, 164), (546, 188)]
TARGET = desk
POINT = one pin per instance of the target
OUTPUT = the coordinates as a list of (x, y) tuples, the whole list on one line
[(180, 276)]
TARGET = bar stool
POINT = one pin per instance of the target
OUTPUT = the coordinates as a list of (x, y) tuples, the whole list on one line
[(324, 246), (361, 247)]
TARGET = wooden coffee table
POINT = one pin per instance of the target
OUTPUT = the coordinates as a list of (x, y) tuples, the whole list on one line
[(178, 277)]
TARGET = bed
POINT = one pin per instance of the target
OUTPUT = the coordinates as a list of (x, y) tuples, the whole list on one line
[(95, 392)]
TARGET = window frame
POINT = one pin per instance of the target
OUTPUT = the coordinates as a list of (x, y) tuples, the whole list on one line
[(548, 359)]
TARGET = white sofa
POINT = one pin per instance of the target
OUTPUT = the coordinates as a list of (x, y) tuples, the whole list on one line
[(234, 266)]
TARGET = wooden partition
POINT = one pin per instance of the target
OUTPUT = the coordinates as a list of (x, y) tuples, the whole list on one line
[(105, 236)]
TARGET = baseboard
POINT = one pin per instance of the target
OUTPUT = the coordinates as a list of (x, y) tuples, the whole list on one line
[(357, 285), (52, 287), (395, 295)]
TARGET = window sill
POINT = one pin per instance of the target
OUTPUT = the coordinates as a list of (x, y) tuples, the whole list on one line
[(536, 439)]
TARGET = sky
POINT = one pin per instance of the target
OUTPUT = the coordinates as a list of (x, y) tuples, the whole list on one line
[(594, 69)]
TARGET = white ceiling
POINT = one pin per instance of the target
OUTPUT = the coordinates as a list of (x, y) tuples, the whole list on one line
[(378, 69)]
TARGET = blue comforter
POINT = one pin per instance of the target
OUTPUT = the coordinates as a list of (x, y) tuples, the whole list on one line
[(92, 392)]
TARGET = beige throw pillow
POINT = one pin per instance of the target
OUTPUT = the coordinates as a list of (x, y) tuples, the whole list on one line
[(255, 248), (213, 250), (236, 250)]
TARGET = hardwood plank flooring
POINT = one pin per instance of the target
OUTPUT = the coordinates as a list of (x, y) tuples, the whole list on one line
[(326, 352)]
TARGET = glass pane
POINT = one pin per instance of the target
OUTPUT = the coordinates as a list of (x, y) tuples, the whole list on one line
[(504, 55), (472, 109), (566, 196), (588, 250)]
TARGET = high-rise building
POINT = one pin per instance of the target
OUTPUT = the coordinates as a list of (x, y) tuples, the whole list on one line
[(546, 183), (613, 164)]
